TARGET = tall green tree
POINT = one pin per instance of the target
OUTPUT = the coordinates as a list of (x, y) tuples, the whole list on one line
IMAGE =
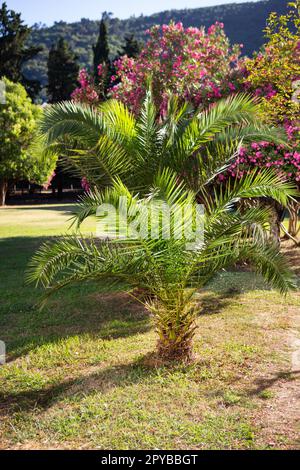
[(13, 50), (63, 70), (22, 156), (101, 48)]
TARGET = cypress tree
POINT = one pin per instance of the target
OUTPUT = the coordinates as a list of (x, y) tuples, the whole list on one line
[(101, 48)]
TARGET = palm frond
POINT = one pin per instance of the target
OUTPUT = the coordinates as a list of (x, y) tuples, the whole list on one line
[(271, 264), (99, 165), (213, 137), (72, 120), (257, 184), (119, 123)]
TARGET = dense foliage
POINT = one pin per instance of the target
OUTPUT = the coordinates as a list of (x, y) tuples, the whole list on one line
[(107, 139), (273, 75), (101, 48), (131, 48), (14, 52), (274, 72), (282, 159), (199, 67), (18, 122), (244, 24)]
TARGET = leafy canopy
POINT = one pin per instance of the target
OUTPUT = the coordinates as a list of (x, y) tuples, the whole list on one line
[(18, 126), (274, 72)]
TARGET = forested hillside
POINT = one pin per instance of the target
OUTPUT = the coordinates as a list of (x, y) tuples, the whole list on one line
[(243, 24)]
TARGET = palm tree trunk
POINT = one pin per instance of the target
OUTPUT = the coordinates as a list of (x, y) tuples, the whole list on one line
[(294, 218), (175, 325), (3, 191), (275, 222), (170, 350), (275, 231)]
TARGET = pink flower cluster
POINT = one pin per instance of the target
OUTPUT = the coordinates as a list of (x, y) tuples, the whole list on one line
[(263, 154), (86, 92), (266, 91), (85, 184)]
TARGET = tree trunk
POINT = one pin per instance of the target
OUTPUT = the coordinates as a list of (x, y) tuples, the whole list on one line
[(3, 191), (275, 222), (275, 231), (175, 351), (293, 209), (175, 319)]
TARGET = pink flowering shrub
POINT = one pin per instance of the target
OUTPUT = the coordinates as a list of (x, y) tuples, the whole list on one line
[(281, 158), (272, 75), (201, 67), (198, 66)]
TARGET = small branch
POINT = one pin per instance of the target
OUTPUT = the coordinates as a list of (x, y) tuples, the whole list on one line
[(297, 242)]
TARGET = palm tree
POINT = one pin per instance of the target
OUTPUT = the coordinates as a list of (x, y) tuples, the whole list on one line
[(165, 268), (171, 162)]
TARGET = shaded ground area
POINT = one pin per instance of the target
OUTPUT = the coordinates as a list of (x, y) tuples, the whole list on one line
[(293, 253), (76, 377)]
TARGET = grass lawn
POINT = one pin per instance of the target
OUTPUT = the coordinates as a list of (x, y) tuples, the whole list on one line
[(77, 374)]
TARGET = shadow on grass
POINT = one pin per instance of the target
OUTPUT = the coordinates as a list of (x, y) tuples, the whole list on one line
[(81, 309), (215, 303), (111, 317), (66, 208), (293, 255), (265, 383), (103, 381), (82, 386), (86, 308)]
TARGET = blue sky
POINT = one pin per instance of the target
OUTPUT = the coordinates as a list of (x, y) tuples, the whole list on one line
[(48, 11)]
